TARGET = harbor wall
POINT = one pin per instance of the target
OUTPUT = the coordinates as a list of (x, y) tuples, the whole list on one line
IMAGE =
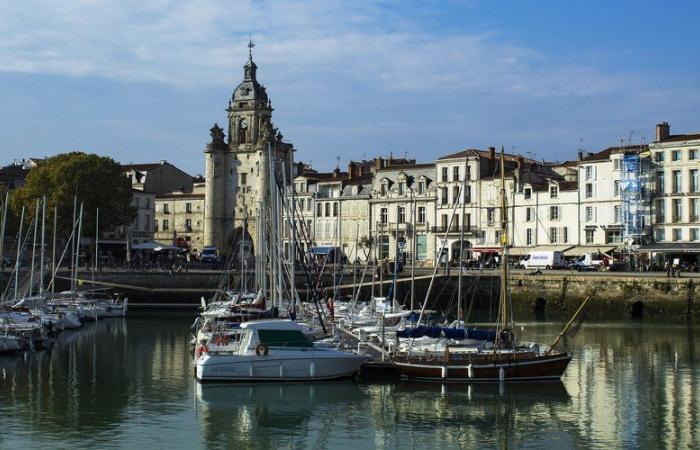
[(549, 296)]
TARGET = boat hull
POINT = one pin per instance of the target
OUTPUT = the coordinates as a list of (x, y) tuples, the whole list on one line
[(537, 368), (314, 366)]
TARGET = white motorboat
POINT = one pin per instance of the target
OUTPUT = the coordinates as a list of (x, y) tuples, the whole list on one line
[(276, 350)]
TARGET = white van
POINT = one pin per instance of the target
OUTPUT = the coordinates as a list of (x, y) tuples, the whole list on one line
[(589, 261), (543, 260)]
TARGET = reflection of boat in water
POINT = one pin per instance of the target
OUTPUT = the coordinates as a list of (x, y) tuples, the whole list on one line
[(526, 393), (273, 415)]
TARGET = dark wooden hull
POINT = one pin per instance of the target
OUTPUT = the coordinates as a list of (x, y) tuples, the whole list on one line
[(500, 368)]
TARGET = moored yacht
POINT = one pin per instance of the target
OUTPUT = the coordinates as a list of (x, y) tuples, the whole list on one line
[(277, 350)]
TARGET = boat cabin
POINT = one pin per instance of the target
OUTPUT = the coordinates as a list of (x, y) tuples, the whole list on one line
[(273, 333)]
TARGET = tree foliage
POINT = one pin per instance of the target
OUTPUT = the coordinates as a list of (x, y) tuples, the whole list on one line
[(96, 181)]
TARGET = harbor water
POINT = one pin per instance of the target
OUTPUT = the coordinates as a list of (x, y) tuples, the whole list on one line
[(127, 383)]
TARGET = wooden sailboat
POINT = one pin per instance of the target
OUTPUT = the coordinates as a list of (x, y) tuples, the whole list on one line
[(499, 357)]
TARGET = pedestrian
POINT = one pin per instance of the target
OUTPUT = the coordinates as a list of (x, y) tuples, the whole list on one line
[(667, 266)]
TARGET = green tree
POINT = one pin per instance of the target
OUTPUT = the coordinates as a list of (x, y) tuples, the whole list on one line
[(96, 181)]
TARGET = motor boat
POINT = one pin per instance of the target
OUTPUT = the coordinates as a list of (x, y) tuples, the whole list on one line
[(276, 350)]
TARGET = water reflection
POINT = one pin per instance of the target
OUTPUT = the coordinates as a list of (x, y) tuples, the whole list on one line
[(128, 383)]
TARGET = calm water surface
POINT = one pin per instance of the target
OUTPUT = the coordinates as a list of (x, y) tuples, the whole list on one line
[(128, 384)]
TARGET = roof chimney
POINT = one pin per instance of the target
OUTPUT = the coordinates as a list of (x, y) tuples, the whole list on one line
[(663, 131), (492, 152), (352, 168), (336, 172)]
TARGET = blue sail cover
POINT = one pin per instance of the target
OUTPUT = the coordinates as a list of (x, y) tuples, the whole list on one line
[(450, 333)]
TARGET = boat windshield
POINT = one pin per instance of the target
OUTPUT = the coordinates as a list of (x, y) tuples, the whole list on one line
[(284, 338)]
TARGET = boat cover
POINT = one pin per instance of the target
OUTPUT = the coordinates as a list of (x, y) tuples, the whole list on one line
[(450, 333)]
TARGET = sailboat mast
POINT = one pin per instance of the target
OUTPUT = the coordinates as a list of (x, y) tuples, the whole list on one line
[(4, 223), (460, 305), (43, 248), (36, 229), (19, 253), (505, 313), (53, 251), (413, 249)]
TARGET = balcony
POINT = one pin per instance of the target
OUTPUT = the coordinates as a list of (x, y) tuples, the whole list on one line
[(468, 230)]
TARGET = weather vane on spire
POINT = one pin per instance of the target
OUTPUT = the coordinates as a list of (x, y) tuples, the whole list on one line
[(250, 47)]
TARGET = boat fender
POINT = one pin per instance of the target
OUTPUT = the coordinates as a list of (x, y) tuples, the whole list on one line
[(444, 372), (501, 374), (202, 349), (470, 371), (261, 349)]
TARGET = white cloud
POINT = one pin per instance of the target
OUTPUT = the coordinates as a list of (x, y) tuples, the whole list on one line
[(200, 43)]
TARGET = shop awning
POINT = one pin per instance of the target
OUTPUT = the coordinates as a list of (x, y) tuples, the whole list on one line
[(579, 250), (671, 247)]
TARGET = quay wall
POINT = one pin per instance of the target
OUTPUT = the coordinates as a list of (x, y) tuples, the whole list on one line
[(549, 296)]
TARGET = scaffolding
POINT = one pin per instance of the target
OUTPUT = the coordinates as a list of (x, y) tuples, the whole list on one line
[(635, 211)]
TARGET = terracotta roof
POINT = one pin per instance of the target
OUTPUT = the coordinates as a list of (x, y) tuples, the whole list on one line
[(568, 185), (681, 137), (407, 166)]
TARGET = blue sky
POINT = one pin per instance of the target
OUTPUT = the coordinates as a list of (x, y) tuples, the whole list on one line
[(142, 81)]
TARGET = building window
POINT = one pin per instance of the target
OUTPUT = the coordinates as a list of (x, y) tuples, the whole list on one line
[(166, 225), (443, 196), (661, 234), (455, 195), (553, 213), (166, 208), (421, 214), (613, 237), (383, 216), (553, 235), (660, 182), (565, 235), (677, 181), (528, 236), (335, 210), (147, 204), (693, 180), (589, 214), (617, 162), (401, 187), (327, 209), (660, 157), (590, 236), (694, 234), (677, 208), (590, 170), (468, 194), (188, 225), (528, 214), (490, 216), (401, 214), (444, 174), (589, 190), (467, 222), (677, 234), (553, 191), (155, 226), (616, 187), (694, 208), (455, 173), (421, 247), (244, 179), (618, 214), (692, 154), (147, 225), (421, 187), (527, 193), (660, 211), (383, 247), (497, 236), (382, 189), (443, 221), (676, 155), (319, 210), (188, 208)]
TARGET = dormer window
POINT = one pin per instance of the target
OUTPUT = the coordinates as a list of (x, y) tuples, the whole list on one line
[(421, 187), (383, 189), (401, 187), (553, 191), (527, 193)]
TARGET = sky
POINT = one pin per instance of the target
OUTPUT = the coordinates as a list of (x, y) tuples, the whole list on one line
[(143, 81)]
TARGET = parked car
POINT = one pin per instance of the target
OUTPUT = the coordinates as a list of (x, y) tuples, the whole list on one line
[(543, 260)]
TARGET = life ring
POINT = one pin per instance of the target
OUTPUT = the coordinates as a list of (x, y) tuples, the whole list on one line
[(261, 349)]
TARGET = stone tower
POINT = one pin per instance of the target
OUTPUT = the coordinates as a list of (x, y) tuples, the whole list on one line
[(249, 130), (219, 194)]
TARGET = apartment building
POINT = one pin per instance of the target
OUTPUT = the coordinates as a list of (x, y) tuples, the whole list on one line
[(675, 193), (402, 205), (180, 218)]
